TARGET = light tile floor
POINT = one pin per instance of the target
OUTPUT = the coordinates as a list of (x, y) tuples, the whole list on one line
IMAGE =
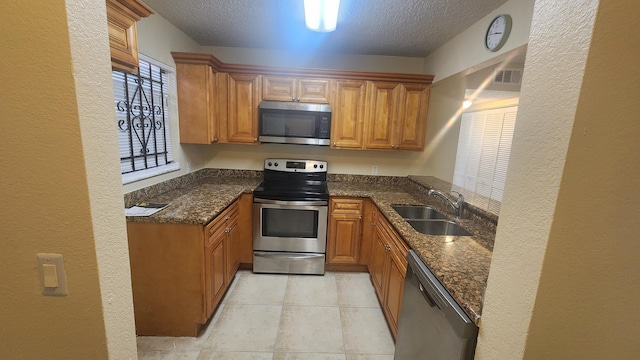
[(287, 317)]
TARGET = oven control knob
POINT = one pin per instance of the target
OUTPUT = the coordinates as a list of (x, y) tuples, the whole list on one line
[(270, 164), (321, 166), (315, 166), (276, 164)]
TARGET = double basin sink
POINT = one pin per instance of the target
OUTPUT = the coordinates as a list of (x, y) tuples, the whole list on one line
[(429, 221)]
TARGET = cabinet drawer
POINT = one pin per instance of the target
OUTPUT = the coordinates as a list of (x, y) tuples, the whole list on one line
[(221, 223), (347, 206)]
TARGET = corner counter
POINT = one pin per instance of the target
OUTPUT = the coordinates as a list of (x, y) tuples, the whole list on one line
[(461, 263)]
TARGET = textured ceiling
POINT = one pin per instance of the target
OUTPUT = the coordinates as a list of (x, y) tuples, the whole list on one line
[(373, 27)]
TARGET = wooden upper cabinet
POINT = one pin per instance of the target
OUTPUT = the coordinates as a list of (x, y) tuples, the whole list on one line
[(381, 114), (347, 118), (412, 120), (241, 107), (123, 39), (219, 103), (279, 88), (396, 115), (197, 105)]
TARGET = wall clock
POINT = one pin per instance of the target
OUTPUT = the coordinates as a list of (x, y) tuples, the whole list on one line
[(498, 32)]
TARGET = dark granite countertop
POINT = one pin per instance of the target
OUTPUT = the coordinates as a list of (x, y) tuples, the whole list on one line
[(460, 263)]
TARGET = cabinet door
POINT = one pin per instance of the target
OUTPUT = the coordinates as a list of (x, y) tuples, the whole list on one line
[(313, 91), (347, 121), (214, 272), (245, 229), (393, 301), (278, 88), (378, 268), (123, 39), (242, 106), (196, 104), (414, 104), (345, 231), (382, 114), (231, 245)]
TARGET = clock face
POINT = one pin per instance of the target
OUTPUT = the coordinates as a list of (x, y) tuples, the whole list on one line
[(498, 32)]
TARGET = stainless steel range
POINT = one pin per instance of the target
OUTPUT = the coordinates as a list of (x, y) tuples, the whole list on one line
[(290, 217)]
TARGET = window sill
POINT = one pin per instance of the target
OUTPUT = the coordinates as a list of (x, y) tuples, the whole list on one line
[(145, 174)]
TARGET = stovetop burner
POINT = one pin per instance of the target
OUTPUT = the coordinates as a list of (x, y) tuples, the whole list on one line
[(293, 180)]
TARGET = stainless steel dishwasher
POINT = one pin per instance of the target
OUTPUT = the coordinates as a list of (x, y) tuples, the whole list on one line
[(432, 325)]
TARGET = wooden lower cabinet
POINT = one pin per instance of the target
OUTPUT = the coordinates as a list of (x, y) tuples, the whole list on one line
[(388, 267), (180, 272), (344, 230)]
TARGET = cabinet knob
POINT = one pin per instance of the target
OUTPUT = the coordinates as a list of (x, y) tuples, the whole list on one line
[(215, 139), (373, 224), (228, 217), (387, 247), (255, 139), (334, 143)]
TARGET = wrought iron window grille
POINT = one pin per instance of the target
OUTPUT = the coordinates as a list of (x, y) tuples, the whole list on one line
[(141, 120)]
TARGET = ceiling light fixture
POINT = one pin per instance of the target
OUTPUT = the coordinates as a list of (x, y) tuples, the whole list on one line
[(321, 15)]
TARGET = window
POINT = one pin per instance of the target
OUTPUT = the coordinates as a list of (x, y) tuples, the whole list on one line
[(142, 120), (483, 153)]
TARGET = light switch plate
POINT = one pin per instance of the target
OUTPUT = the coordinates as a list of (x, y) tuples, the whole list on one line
[(47, 263)]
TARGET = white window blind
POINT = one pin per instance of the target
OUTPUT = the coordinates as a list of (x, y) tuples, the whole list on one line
[(483, 153), (142, 118)]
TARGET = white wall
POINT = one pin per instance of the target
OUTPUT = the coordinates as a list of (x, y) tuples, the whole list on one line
[(157, 38), (90, 54), (467, 49), (379, 63), (561, 275)]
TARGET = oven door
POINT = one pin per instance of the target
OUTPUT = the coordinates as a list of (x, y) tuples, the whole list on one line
[(289, 226)]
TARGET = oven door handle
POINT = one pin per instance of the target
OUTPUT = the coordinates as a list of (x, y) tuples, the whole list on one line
[(293, 203)]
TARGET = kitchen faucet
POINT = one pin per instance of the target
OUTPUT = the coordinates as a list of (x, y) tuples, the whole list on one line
[(457, 205)]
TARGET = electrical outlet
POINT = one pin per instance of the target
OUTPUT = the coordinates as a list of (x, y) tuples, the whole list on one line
[(374, 169)]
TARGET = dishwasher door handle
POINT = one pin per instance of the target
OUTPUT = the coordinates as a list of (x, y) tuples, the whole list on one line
[(427, 297)]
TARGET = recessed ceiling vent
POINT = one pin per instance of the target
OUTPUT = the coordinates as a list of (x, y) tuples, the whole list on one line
[(508, 77)]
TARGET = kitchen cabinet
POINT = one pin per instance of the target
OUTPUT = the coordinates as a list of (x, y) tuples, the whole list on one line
[(347, 118), (238, 107), (244, 249), (180, 272), (123, 39), (220, 252), (396, 115), (218, 103), (307, 90), (412, 119), (387, 268), (197, 103), (345, 230)]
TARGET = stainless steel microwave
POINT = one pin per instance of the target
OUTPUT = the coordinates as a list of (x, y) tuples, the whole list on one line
[(294, 123)]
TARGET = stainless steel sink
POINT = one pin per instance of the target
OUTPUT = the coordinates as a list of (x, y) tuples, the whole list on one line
[(438, 227), (418, 212)]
